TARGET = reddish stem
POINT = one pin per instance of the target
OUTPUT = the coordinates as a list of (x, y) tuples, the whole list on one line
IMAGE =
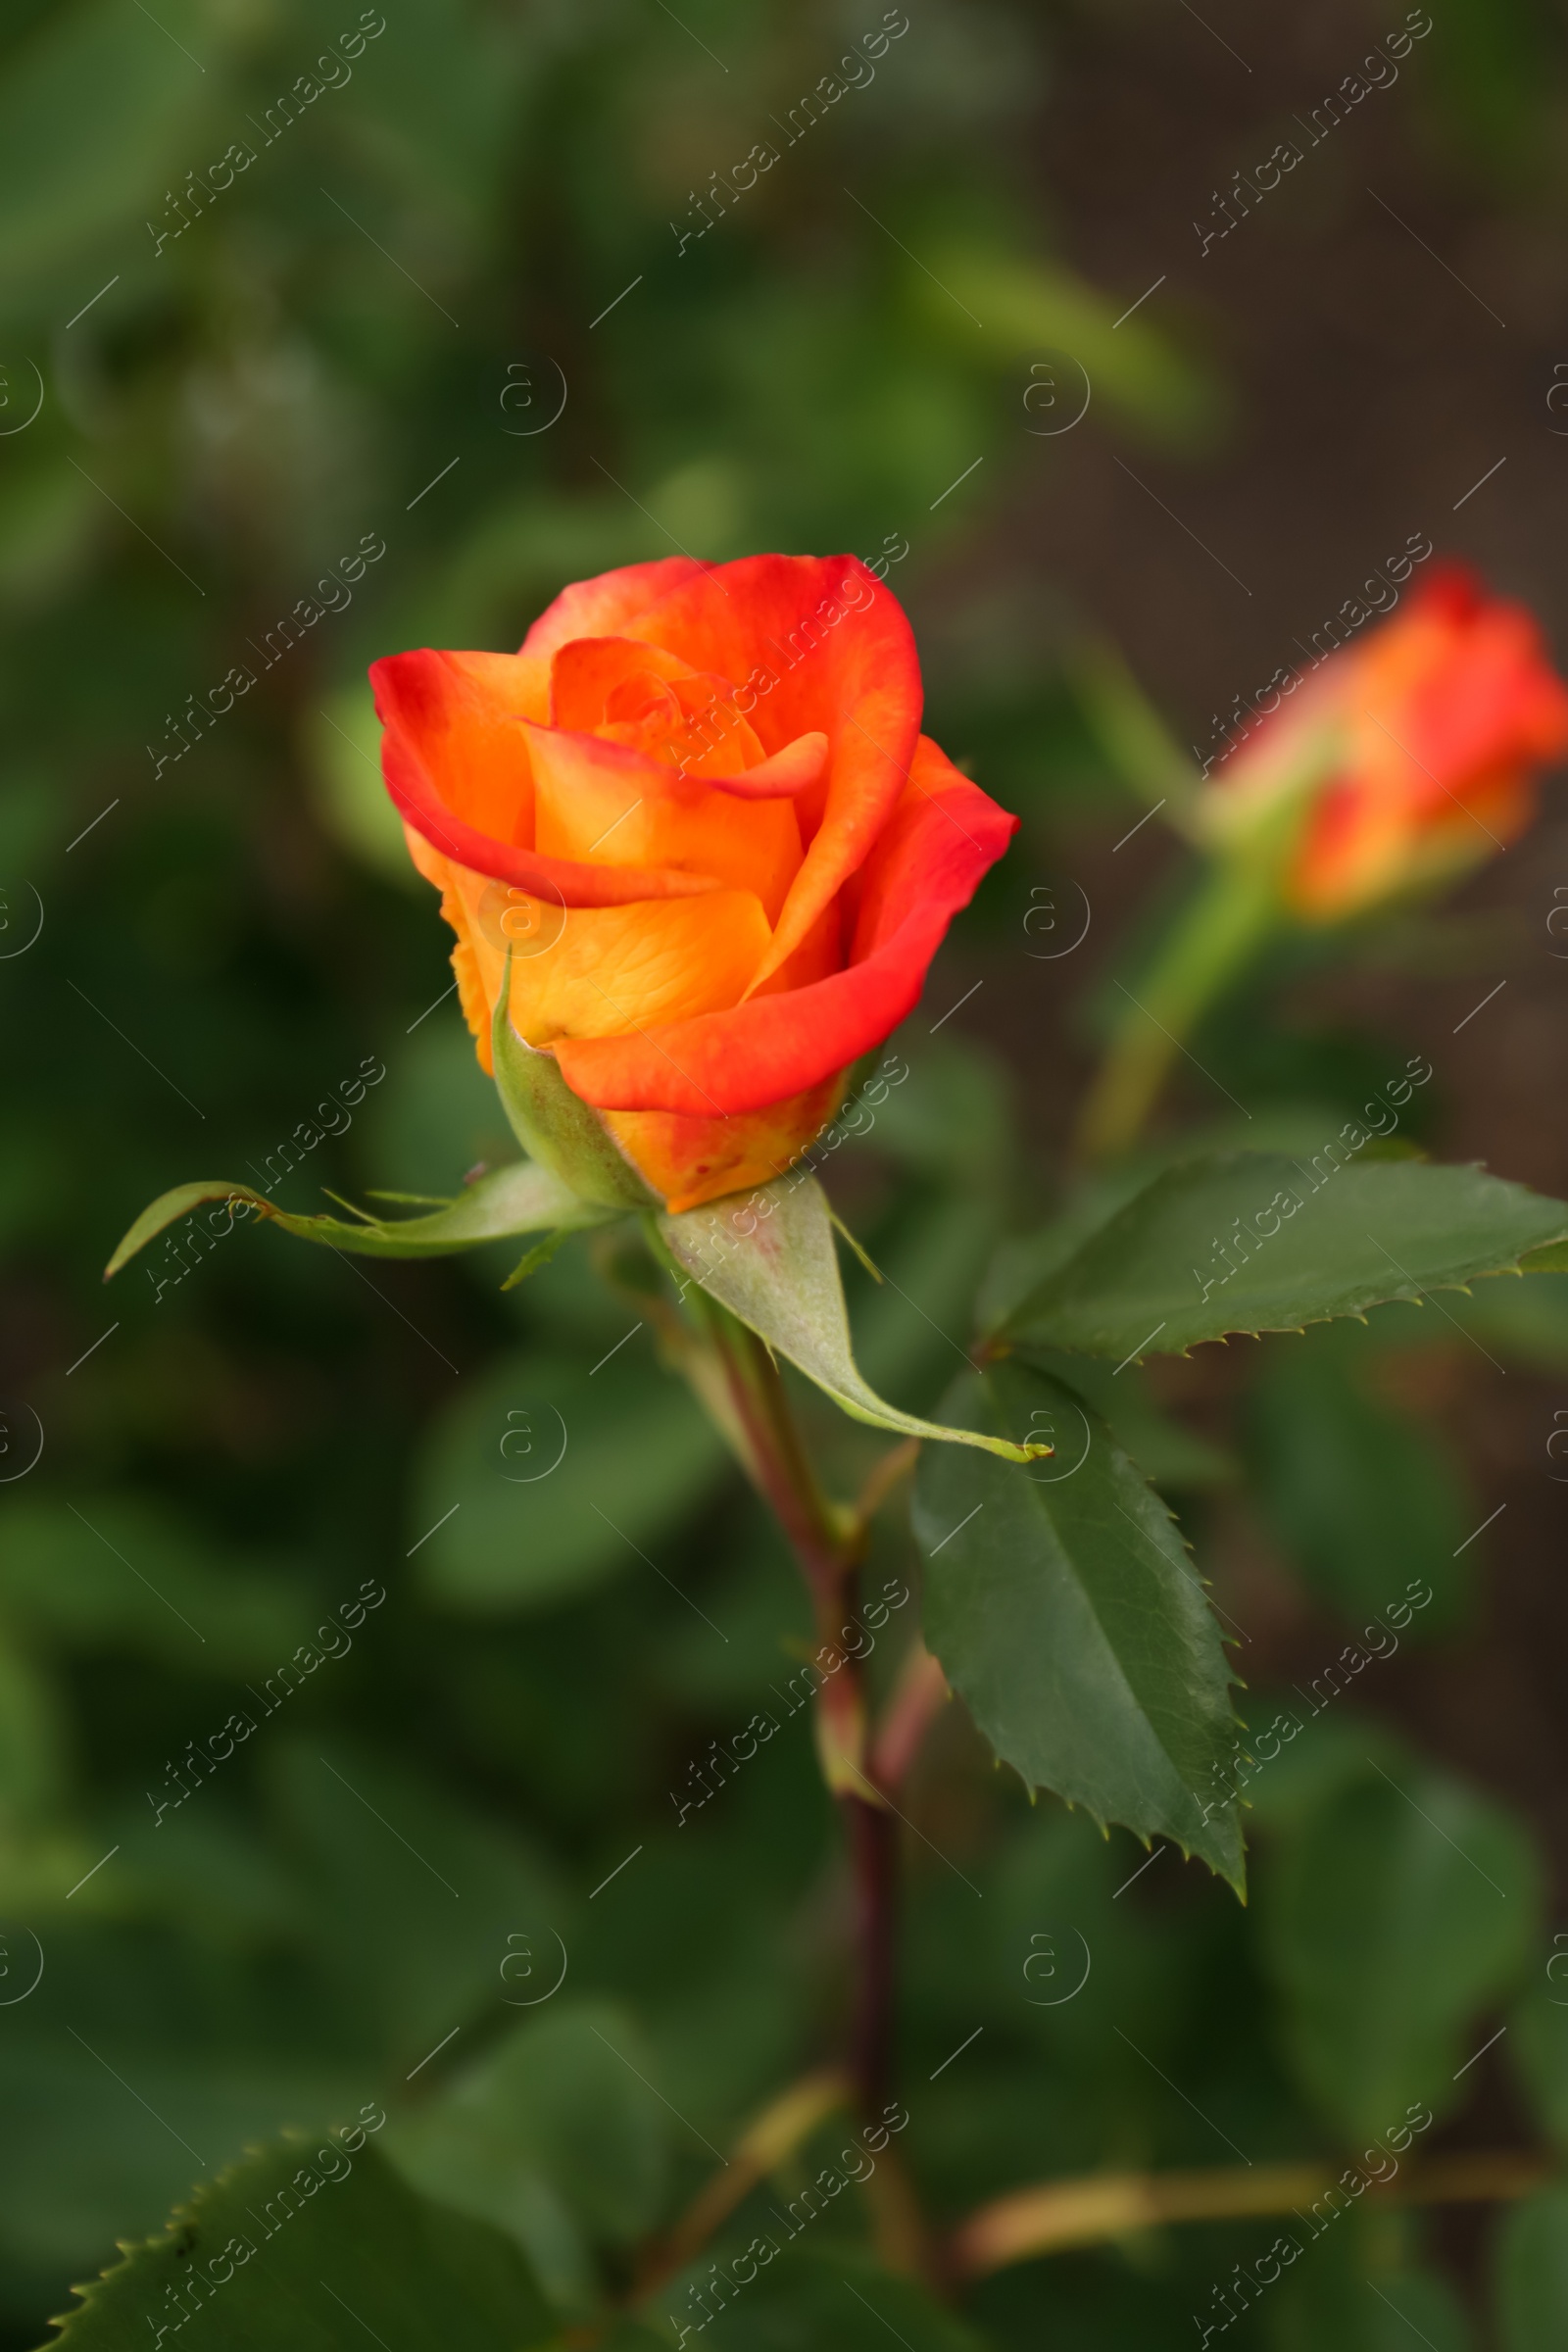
[(828, 1547), (871, 1833), (918, 1698)]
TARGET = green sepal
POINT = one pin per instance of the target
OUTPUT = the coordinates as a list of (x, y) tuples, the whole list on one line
[(521, 1199), (554, 1126), (769, 1256), (539, 1255)]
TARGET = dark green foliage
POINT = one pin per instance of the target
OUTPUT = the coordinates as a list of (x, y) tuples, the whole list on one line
[(481, 1854)]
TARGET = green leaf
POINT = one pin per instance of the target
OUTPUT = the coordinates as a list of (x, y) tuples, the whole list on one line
[(220, 2061), (1392, 1916), (1361, 1499), (1291, 1779), (1064, 1609), (931, 1258), (770, 1257), (549, 1475), (32, 1740), (1524, 1322), (554, 2132), (1537, 2046), (817, 2302), (554, 1126), (1403, 2304), (111, 1571), (409, 1892), (97, 112), (1532, 2273), (699, 1938), (1255, 1240), (306, 2247), (203, 1870), (1166, 1451), (1024, 1259), (521, 1199), (1030, 305), (1345, 2294), (621, 2335)]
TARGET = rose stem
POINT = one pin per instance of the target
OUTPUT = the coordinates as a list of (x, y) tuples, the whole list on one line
[(829, 1544)]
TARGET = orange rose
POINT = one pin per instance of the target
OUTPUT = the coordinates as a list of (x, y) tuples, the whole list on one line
[(1419, 742), (698, 809)]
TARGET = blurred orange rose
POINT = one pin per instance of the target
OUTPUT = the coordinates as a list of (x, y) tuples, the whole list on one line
[(1415, 748), (698, 808)]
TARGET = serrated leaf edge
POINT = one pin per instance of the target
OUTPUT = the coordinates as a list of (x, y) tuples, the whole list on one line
[(183, 2215)]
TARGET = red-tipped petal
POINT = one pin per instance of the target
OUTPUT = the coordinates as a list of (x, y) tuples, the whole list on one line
[(810, 643), (454, 757), (927, 863), (603, 607)]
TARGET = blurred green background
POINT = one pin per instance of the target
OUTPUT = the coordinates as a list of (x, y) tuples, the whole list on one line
[(459, 303)]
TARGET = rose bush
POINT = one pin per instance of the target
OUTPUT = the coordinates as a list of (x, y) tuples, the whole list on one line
[(1412, 754), (697, 809)]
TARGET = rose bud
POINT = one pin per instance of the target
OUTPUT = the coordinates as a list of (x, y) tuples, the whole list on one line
[(1409, 758), (695, 819)]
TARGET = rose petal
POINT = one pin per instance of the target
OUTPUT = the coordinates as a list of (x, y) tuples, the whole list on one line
[(594, 685), (782, 775), (454, 757), (600, 800), (586, 673), (926, 864), (605, 971), (1446, 709), (815, 643), (601, 607), (690, 1160), (1462, 684)]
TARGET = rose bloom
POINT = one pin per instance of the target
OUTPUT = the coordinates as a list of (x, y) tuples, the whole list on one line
[(698, 807), (1430, 729)]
